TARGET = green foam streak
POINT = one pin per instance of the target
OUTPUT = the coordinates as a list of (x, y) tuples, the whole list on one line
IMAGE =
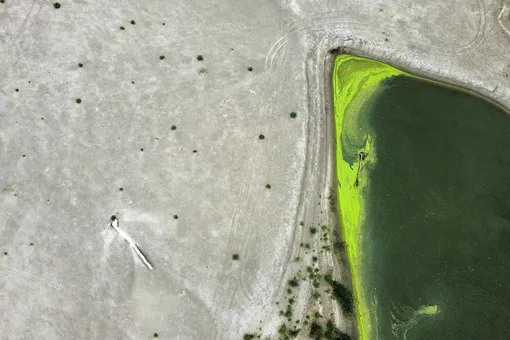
[(355, 81)]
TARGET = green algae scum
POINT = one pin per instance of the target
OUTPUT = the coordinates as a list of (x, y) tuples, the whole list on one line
[(424, 204)]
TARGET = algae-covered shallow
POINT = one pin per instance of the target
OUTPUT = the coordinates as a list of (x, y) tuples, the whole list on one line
[(426, 218)]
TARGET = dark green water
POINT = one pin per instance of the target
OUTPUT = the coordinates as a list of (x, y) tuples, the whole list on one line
[(437, 229)]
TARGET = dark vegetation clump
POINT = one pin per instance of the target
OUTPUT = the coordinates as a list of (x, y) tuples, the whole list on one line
[(122, 28), (174, 127), (78, 100), (176, 217), (2, 1), (333, 333), (200, 58), (17, 90), (313, 230), (268, 186), (133, 22), (294, 282), (80, 65), (56, 5), (249, 336), (161, 57), (316, 331), (250, 68), (261, 137), (235, 257), (342, 294), (293, 115), (156, 335), (339, 246)]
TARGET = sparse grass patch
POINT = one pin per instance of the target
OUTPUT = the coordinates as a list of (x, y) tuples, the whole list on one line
[(202, 71)]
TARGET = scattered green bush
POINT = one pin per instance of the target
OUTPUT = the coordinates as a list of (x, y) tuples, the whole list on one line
[(250, 68), (122, 28), (293, 115), (78, 100), (293, 283), (200, 58), (316, 331), (313, 230), (56, 5), (342, 294), (235, 257), (161, 57), (268, 186), (261, 137), (173, 127), (133, 22), (333, 333), (249, 336), (80, 65)]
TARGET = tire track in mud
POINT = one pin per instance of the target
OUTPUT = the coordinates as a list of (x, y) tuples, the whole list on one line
[(230, 283), (21, 31), (311, 24)]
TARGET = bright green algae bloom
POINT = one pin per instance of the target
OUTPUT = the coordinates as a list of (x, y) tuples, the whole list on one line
[(355, 81)]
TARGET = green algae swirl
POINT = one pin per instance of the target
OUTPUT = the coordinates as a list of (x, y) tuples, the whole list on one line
[(355, 80), (423, 191)]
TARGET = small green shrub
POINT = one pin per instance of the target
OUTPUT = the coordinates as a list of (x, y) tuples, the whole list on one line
[(342, 294), (122, 28), (121, 189), (161, 57), (78, 100), (294, 282), (17, 90), (174, 127), (250, 68), (333, 333), (248, 337), (261, 137), (293, 115), (176, 217), (200, 58), (56, 5), (235, 257), (316, 331), (268, 186), (80, 65), (156, 335), (133, 22), (313, 230), (308, 246)]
